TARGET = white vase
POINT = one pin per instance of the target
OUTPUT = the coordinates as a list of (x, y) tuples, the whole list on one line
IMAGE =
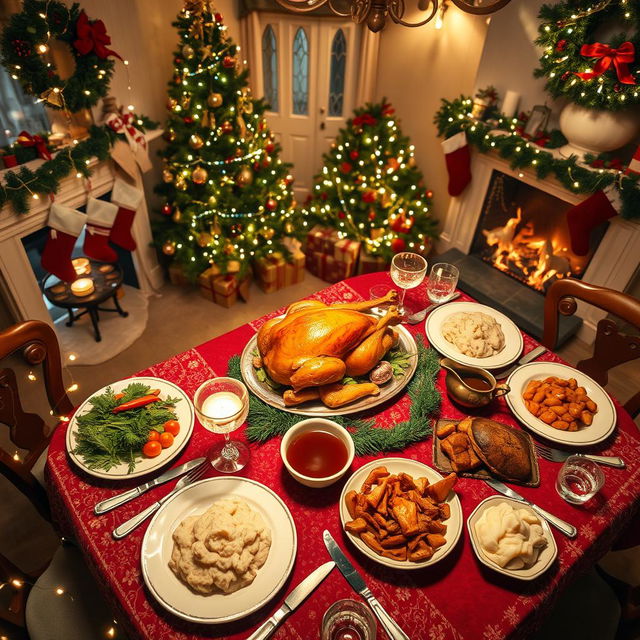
[(592, 131)]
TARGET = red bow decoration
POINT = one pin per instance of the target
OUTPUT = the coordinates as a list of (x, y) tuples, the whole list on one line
[(124, 124), (387, 109), (364, 119), (92, 37), (27, 140), (621, 57)]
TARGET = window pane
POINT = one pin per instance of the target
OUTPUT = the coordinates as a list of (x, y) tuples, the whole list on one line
[(270, 67), (336, 82), (301, 73)]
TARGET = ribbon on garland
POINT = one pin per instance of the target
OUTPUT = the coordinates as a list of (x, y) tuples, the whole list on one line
[(92, 36), (620, 58), (27, 140), (124, 124), (364, 119)]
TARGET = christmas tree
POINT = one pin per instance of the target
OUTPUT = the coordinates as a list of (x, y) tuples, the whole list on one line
[(227, 195), (370, 188)]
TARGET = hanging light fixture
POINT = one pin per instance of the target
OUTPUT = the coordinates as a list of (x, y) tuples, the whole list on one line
[(374, 12)]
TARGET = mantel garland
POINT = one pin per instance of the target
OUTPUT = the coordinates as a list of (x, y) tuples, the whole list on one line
[(455, 116), (265, 422), (592, 74)]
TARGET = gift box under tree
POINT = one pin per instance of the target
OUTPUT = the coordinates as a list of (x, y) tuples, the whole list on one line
[(294, 267), (321, 239), (370, 264), (270, 272), (224, 289)]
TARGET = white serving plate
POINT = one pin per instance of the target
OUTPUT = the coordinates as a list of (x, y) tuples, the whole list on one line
[(415, 469), (195, 499), (184, 415), (512, 335), (545, 559), (604, 421), (316, 408)]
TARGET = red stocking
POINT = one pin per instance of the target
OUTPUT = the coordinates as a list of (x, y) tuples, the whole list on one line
[(458, 159), (100, 218), (587, 215), (66, 225), (128, 199)]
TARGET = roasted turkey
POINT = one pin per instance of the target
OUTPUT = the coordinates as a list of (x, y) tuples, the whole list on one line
[(314, 346)]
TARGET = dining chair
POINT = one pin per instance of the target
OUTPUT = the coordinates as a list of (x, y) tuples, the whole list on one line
[(611, 347)]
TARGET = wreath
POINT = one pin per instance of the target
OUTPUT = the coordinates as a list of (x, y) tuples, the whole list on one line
[(597, 75), (26, 45)]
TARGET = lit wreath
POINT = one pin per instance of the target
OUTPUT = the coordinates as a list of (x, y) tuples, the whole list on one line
[(27, 40), (593, 74)]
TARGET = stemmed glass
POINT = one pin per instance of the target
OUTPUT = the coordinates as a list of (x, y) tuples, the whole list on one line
[(222, 405), (407, 272), (442, 282)]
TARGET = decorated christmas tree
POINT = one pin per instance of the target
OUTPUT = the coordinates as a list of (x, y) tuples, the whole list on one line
[(370, 188), (227, 195)]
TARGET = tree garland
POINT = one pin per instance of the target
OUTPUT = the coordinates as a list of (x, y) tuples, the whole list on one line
[(265, 422), (454, 116), (26, 41), (592, 74)]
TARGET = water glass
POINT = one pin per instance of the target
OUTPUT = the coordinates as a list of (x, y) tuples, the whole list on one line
[(579, 479), (222, 406), (380, 291), (442, 282), (407, 271), (348, 620)]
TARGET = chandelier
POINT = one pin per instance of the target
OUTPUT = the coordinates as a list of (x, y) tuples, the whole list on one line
[(375, 12)]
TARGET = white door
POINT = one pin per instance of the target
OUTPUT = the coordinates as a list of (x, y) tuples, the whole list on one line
[(306, 71)]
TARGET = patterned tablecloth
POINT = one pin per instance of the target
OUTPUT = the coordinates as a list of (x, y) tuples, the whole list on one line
[(456, 598)]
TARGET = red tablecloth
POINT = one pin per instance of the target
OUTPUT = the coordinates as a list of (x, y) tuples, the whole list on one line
[(456, 598)]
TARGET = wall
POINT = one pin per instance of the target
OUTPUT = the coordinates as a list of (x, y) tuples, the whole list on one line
[(417, 67)]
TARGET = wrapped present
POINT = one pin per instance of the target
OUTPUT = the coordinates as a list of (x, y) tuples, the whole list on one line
[(223, 289), (328, 268), (9, 160), (177, 276), (321, 239), (294, 268), (270, 272), (371, 264), (346, 250)]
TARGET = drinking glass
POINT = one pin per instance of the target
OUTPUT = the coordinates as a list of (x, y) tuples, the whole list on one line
[(579, 479), (407, 271), (348, 620), (379, 291), (442, 282), (222, 405)]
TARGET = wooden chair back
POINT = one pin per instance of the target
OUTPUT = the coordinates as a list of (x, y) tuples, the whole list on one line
[(611, 348), (28, 431), (18, 583)]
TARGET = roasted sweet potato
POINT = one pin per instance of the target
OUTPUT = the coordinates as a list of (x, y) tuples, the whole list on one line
[(371, 541), (350, 501), (356, 526), (440, 490), (445, 430), (374, 476)]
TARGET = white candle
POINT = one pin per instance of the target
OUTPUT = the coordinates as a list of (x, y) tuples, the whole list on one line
[(221, 405), (82, 287), (510, 103)]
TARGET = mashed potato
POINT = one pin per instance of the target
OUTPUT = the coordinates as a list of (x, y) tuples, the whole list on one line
[(220, 550), (474, 334)]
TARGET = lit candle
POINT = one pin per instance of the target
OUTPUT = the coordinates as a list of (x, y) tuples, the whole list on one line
[(82, 287), (510, 103), (82, 266), (221, 405)]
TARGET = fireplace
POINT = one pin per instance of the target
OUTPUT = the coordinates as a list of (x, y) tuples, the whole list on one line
[(522, 231)]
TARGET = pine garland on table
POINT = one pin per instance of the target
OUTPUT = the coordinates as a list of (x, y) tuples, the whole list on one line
[(265, 422)]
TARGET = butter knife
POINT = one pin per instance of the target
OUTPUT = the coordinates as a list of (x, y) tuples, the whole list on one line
[(565, 527), (419, 316), (356, 581), (292, 601), (532, 355), (122, 498)]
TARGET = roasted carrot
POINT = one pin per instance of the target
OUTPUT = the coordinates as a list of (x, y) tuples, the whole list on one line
[(135, 404)]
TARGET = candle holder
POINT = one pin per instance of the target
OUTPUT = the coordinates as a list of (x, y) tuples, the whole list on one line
[(82, 287)]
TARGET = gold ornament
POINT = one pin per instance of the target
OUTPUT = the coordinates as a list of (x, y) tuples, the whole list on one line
[(171, 104), (181, 183), (214, 100), (195, 141), (185, 101), (199, 175), (177, 215), (167, 176), (268, 233), (288, 227), (169, 248), (204, 239), (187, 51), (213, 201), (244, 176), (53, 96), (245, 103)]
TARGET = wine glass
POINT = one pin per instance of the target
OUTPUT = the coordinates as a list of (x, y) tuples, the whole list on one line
[(442, 282), (407, 271), (222, 405)]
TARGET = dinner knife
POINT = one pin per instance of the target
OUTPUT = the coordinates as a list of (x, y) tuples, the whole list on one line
[(292, 601), (532, 355), (565, 527), (357, 582), (122, 498), (419, 316)]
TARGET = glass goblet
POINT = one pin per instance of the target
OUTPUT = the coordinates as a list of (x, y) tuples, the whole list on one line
[(442, 282), (407, 271), (222, 405)]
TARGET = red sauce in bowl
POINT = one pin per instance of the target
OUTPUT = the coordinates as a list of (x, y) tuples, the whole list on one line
[(317, 454)]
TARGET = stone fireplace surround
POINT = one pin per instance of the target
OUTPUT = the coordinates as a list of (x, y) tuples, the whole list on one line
[(613, 264)]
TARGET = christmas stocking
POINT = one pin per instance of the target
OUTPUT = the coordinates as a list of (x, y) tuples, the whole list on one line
[(66, 225), (587, 215), (634, 165), (128, 199), (458, 158), (100, 218)]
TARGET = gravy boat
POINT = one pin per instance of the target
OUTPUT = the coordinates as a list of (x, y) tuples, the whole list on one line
[(462, 393)]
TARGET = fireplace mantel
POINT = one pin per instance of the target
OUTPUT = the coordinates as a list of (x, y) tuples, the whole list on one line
[(613, 264), (18, 283)]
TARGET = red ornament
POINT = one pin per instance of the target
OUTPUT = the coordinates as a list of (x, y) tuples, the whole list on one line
[(398, 245), (256, 166), (177, 60), (387, 109), (372, 215), (228, 62), (269, 147), (565, 75), (428, 193), (354, 155), (369, 196), (218, 18), (346, 167), (323, 196), (341, 215), (616, 87), (188, 120), (561, 45), (270, 204), (167, 209)]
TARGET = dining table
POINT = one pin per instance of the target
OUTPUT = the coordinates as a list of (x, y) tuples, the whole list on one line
[(455, 598)]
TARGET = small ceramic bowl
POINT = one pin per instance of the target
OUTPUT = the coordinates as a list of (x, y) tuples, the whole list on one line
[(313, 424)]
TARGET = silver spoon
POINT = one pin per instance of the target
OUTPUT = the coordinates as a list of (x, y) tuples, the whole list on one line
[(421, 315)]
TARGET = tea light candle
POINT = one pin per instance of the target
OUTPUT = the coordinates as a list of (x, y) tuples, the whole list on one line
[(81, 266), (223, 404), (82, 287), (106, 268)]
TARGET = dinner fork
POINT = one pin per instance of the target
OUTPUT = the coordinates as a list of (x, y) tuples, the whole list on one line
[(555, 455), (127, 527)]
